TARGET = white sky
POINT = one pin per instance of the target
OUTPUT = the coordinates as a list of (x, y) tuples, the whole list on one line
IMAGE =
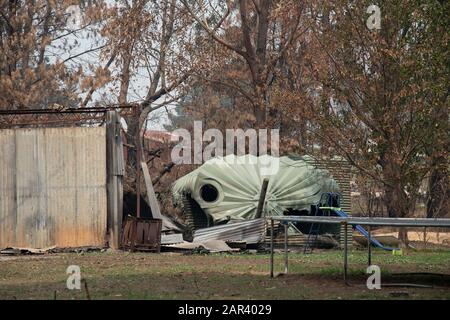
[(138, 85)]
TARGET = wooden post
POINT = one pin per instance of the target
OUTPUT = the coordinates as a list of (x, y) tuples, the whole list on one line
[(138, 168), (262, 198), (151, 196), (115, 172)]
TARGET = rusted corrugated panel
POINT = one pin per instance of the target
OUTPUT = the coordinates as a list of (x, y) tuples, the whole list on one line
[(250, 231), (52, 187), (340, 170)]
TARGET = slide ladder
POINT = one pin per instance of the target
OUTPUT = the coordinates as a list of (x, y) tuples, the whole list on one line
[(311, 242)]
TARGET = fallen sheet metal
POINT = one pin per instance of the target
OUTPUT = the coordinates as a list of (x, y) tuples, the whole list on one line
[(171, 238), (210, 245), (249, 231), (52, 249), (168, 225), (18, 251)]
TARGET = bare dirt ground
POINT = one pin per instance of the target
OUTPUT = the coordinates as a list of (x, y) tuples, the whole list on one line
[(442, 238), (121, 275)]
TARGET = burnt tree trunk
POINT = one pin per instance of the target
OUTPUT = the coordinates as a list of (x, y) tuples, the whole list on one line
[(438, 190), (397, 201)]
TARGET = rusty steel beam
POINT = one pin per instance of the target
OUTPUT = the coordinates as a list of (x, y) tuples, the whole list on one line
[(33, 117), (67, 110)]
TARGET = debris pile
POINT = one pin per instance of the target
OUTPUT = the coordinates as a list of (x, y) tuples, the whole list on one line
[(228, 197)]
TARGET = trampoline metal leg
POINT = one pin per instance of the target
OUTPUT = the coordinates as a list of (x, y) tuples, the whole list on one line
[(345, 254), (369, 247), (271, 248), (286, 248)]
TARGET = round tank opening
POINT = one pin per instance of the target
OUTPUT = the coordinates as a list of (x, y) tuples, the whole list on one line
[(209, 193)]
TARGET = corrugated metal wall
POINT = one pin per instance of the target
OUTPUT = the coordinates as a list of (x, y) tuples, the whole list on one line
[(53, 187), (340, 170)]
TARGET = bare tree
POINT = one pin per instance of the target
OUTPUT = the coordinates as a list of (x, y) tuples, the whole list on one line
[(39, 52), (149, 42), (377, 94), (258, 32)]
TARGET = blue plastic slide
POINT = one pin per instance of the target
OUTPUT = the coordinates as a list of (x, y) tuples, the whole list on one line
[(365, 233)]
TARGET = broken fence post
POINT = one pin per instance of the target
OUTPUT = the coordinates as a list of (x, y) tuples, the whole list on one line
[(262, 198)]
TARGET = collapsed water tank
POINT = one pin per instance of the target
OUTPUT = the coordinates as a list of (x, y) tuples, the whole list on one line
[(227, 188)]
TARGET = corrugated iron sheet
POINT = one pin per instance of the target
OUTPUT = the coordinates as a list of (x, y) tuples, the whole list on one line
[(52, 187), (340, 170), (237, 180), (250, 231), (171, 238)]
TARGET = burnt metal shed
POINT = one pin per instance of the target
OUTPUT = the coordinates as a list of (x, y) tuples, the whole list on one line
[(60, 178)]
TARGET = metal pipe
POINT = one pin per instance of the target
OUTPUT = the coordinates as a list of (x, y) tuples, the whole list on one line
[(425, 237), (262, 198), (405, 222), (369, 247), (286, 248), (271, 248), (363, 221), (138, 168), (68, 110), (345, 252)]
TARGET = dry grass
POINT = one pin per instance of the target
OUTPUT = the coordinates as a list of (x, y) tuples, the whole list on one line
[(121, 275)]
